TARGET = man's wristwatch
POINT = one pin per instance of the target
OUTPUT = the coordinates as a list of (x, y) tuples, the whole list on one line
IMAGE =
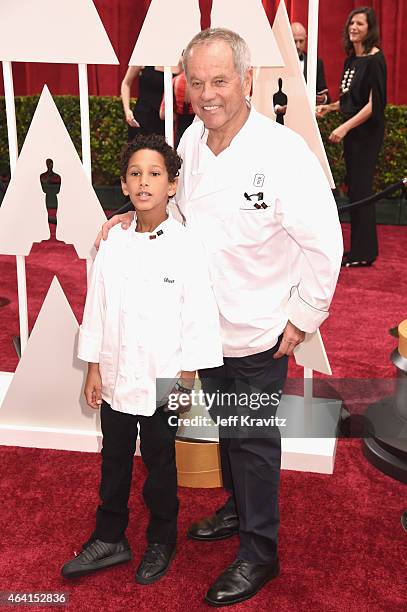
[(178, 387)]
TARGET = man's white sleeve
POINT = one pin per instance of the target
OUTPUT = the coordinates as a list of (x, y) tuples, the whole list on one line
[(91, 330), (201, 340), (308, 212)]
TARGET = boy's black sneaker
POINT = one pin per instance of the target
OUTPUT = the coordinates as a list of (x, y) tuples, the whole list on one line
[(155, 562), (96, 555)]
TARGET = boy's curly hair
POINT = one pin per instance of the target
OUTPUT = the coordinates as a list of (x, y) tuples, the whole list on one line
[(154, 142)]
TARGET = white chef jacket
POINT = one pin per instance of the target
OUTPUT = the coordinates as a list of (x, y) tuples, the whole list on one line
[(270, 264), (150, 312)]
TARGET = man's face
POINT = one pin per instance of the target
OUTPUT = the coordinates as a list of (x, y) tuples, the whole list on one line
[(216, 90), (300, 39)]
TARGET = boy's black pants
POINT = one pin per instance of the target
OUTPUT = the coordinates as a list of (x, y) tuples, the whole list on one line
[(157, 446)]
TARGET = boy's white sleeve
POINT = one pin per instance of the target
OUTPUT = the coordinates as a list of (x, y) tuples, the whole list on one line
[(201, 340), (91, 330), (308, 213)]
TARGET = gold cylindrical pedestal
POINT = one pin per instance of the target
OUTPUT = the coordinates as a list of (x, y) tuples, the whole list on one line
[(403, 338), (198, 464)]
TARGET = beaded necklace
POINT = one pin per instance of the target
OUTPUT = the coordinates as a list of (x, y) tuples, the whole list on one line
[(347, 80)]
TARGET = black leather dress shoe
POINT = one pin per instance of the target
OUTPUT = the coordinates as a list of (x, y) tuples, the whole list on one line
[(155, 563), (223, 524), (347, 263), (96, 555), (240, 581)]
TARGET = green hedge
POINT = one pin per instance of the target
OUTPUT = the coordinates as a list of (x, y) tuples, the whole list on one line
[(109, 132)]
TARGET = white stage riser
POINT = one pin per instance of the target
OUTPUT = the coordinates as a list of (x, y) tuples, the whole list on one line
[(70, 440), (312, 461)]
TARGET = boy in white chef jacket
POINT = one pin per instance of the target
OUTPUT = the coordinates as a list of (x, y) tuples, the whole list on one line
[(150, 319)]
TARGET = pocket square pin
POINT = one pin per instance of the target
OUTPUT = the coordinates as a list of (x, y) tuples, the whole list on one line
[(259, 195)]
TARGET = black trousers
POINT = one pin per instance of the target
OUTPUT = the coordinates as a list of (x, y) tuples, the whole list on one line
[(157, 446), (361, 149), (250, 455)]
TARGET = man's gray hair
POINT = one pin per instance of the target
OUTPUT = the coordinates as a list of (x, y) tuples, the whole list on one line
[(240, 50)]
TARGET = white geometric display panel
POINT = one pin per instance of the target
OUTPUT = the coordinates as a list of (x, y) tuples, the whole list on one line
[(23, 214), (55, 31)]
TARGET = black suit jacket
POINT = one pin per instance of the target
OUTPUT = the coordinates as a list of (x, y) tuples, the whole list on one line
[(321, 82)]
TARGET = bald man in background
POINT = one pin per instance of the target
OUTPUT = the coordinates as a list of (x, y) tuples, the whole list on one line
[(300, 39)]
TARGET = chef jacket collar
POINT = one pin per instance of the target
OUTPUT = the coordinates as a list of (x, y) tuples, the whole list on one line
[(146, 235), (218, 172), (204, 152)]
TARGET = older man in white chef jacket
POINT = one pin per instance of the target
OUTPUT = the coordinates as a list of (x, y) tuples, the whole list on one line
[(266, 216)]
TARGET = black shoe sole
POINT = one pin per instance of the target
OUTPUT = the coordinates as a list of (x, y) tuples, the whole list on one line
[(218, 604), (356, 264), (230, 534), (141, 580), (116, 559)]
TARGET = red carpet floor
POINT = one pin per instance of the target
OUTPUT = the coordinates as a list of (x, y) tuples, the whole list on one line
[(341, 546), (341, 543)]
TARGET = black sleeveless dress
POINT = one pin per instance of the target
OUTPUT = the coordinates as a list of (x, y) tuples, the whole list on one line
[(147, 108), (362, 75)]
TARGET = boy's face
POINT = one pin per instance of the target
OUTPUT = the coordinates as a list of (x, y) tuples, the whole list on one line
[(146, 181)]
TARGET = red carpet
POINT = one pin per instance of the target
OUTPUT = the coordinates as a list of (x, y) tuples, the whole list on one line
[(342, 546)]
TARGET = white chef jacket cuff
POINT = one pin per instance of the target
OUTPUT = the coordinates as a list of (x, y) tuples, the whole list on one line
[(302, 314), (198, 360), (88, 346)]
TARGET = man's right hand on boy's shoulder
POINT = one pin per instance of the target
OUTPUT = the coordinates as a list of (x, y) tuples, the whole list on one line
[(125, 219)]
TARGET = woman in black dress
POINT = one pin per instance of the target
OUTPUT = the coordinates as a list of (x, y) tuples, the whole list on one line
[(362, 101), (144, 118)]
